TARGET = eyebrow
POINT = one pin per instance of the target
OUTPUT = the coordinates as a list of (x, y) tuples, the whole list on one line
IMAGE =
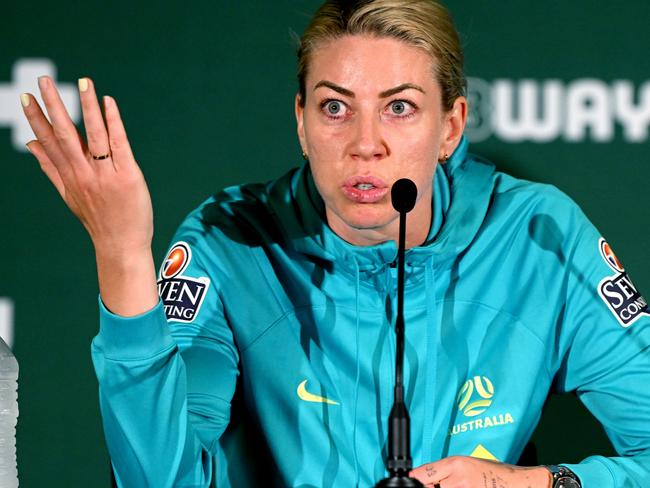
[(384, 94), (402, 87), (335, 87)]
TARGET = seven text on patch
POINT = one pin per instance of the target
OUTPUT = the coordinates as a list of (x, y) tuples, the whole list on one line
[(182, 296)]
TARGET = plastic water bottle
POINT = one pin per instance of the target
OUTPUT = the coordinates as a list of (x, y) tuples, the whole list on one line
[(8, 416)]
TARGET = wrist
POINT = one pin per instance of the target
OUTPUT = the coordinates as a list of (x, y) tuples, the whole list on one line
[(118, 250), (127, 281), (124, 264), (542, 477)]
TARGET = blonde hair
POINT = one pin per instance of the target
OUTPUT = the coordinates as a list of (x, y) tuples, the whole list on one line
[(422, 23)]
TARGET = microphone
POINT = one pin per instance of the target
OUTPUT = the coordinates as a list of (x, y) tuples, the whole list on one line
[(403, 195), (398, 462)]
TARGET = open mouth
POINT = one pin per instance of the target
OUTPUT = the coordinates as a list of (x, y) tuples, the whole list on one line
[(365, 189), (364, 186)]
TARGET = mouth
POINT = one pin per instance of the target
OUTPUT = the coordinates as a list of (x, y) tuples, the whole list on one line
[(365, 189)]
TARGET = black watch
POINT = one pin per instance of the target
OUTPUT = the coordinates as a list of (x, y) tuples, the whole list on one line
[(563, 477)]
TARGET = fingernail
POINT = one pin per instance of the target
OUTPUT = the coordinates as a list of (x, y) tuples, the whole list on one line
[(24, 99), (27, 146), (83, 84), (107, 101), (43, 82)]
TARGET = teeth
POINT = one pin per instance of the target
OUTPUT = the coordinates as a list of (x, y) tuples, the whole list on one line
[(364, 186)]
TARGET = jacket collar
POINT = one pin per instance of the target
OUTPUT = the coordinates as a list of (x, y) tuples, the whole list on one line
[(462, 190)]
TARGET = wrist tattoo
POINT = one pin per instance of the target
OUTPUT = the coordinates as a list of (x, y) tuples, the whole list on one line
[(491, 480)]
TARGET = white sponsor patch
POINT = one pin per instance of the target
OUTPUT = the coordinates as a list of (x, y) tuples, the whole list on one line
[(618, 291), (182, 296)]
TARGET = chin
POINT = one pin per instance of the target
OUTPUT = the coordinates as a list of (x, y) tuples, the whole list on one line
[(368, 216)]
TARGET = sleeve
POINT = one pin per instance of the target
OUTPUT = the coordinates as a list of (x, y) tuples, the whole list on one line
[(167, 377), (606, 361)]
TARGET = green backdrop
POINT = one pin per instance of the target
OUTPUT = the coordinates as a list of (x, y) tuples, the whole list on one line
[(560, 94)]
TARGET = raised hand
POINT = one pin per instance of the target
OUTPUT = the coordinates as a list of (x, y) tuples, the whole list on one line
[(103, 186)]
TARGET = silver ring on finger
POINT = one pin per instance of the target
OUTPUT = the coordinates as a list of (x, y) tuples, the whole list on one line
[(103, 156)]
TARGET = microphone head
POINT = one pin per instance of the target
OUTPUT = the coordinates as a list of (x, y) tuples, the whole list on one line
[(403, 195)]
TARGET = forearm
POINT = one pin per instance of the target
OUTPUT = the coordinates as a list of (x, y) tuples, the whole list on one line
[(143, 397)]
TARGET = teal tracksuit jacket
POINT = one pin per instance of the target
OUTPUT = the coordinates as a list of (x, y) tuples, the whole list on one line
[(270, 358)]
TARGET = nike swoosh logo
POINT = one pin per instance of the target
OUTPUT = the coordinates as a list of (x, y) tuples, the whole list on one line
[(303, 394)]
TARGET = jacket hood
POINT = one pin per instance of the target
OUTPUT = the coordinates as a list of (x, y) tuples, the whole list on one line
[(462, 190)]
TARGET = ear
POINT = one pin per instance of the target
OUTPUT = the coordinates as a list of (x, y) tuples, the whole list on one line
[(300, 111), (454, 125)]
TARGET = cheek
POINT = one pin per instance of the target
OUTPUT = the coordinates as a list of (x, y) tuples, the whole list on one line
[(416, 139), (323, 138), (419, 162), (417, 154), (325, 147), (325, 172), (326, 181)]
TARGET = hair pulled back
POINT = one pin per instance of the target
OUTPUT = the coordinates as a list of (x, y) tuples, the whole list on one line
[(425, 24)]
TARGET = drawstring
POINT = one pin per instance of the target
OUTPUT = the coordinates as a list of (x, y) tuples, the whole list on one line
[(431, 360), (357, 377)]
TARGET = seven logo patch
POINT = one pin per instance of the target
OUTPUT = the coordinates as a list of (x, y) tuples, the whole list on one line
[(618, 291), (182, 296)]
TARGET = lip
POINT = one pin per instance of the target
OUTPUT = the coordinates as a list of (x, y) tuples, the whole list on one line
[(365, 196)]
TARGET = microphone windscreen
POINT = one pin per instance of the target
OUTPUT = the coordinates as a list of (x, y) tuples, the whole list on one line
[(403, 195)]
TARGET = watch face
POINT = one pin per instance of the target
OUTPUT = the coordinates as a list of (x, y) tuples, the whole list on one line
[(566, 482)]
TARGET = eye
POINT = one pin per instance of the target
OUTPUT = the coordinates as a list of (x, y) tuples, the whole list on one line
[(334, 109), (398, 107), (401, 108)]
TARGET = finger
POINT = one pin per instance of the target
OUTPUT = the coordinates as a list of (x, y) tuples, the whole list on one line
[(62, 125), (47, 166), (93, 121), (431, 473), (425, 476), (120, 148), (45, 135)]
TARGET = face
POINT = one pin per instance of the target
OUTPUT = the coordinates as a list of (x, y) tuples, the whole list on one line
[(373, 114)]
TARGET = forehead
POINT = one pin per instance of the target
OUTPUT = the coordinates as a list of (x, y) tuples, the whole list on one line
[(361, 60)]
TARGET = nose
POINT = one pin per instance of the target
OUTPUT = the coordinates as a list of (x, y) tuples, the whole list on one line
[(368, 143)]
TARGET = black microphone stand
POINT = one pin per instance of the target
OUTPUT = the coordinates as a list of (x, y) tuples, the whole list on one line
[(399, 462)]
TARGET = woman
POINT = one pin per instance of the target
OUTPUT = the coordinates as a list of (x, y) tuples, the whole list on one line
[(282, 295)]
